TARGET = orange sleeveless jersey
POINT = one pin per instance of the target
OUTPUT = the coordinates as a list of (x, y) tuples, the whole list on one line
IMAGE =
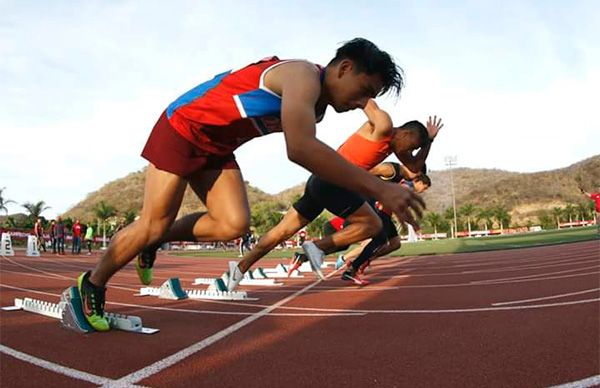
[(363, 152)]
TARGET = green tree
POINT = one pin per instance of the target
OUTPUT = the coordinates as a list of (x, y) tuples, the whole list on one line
[(487, 216), (569, 212), (449, 216), (582, 210), (4, 201), (434, 220), (546, 220), (34, 210), (468, 211), (502, 216), (265, 215), (129, 216), (557, 213), (315, 228), (104, 211)]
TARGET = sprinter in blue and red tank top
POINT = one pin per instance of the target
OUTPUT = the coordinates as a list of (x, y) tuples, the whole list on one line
[(194, 139)]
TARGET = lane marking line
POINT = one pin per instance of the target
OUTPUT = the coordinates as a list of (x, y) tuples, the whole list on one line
[(166, 362), (56, 368), (546, 297)]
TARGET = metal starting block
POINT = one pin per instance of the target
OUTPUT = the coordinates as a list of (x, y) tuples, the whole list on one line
[(280, 271), (171, 289), (248, 280), (70, 312)]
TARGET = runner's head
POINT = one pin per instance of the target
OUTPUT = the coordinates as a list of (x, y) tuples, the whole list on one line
[(421, 183), (410, 136), (359, 71)]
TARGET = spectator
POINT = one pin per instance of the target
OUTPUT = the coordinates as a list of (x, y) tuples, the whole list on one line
[(60, 232), (38, 232), (76, 246), (52, 233), (89, 238)]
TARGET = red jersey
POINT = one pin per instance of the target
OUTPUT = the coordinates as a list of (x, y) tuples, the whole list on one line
[(596, 198), (219, 115), (77, 230)]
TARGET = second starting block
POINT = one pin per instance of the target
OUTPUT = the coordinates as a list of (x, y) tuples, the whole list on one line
[(171, 289)]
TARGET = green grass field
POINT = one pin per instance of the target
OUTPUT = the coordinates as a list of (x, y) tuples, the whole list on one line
[(473, 244)]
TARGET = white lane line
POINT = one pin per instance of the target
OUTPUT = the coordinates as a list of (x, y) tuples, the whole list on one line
[(158, 366), (547, 297), (56, 368), (589, 382), (536, 275)]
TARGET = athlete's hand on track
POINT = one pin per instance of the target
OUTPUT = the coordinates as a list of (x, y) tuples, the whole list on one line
[(402, 202), (434, 126)]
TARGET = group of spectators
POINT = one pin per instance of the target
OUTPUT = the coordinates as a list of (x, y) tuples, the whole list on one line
[(58, 232)]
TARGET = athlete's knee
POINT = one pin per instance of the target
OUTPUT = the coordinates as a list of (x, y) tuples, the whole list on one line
[(394, 244), (151, 229), (234, 227)]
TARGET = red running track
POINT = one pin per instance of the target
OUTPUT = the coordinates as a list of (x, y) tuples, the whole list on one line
[(513, 318)]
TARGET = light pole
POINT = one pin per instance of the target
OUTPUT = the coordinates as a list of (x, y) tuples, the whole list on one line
[(451, 162)]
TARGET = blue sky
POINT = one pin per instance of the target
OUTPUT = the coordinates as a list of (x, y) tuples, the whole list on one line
[(516, 82)]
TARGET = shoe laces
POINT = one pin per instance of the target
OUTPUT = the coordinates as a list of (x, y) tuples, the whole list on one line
[(97, 298)]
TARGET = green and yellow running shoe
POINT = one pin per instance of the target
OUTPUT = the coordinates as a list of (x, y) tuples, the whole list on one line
[(144, 263), (92, 301)]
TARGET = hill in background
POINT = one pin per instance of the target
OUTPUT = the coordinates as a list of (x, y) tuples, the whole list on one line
[(523, 194)]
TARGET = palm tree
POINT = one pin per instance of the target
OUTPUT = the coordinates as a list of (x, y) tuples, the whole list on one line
[(35, 209), (487, 215), (104, 211), (434, 220), (569, 211), (468, 210), (502, 216), (557, 213), (582, 209), (4, 202), (129, 216), (449, 215)]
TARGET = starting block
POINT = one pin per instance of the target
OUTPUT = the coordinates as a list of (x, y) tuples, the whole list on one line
[(248, 280), (6, 248), (280, 271), (70, 312), (171, 289), (32, 249)]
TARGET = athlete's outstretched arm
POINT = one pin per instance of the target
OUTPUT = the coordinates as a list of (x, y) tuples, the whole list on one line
[(416, 162), (300, 91), (380, 120)]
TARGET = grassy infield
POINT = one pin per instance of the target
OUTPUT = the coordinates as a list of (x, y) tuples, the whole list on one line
[(458, 245)]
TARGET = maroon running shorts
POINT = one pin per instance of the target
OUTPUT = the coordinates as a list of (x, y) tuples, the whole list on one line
[(169, 151)]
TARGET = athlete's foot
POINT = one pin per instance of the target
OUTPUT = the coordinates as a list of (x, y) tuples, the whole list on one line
[(144, 264), (297, 260), (92, 301), (235, 276), (350, 275), (315, 256), (340, 262)]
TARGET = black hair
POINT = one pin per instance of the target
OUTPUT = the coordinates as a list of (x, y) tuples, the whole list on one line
[(418, 128), (368, 58), (423, 178)]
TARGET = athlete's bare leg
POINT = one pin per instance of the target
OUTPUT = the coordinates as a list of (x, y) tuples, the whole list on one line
[(163, 193), (228, 215), (290, 224), (364, 223)]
